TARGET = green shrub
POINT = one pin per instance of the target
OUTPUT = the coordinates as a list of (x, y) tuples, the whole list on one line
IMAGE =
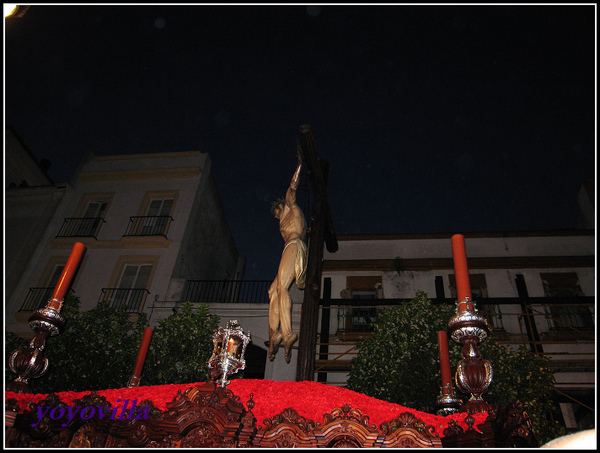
[(95, 351), (98, 348), (180, 348), (527, 377), (400, 364)]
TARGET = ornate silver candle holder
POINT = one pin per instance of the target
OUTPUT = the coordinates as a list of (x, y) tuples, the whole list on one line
[(474, 374), (447, 403), (30, 363), (229, 347)]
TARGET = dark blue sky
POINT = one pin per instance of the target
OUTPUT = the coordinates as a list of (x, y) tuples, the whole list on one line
[(433, 119)]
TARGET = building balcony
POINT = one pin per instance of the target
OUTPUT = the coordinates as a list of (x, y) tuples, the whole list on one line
[(129, 300), (148, 225), (37, 298), (227, 291), (80, 227), (561, 328)]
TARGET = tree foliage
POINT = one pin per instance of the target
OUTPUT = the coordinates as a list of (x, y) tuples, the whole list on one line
[(400, 364), (95, 351), (527, 377), (180, 348), (98, 348)]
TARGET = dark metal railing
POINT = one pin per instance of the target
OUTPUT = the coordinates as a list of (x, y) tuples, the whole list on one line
[(561, 313), (37, 298), (148, 225), (568, 320), (227, 291), (80, 227), (129, 300)]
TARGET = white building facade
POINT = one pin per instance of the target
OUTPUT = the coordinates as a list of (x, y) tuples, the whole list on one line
[(150, 222), (537, 289)]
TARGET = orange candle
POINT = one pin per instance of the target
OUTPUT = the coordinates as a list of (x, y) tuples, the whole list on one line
[(461, 273), (141, 357), (444, 362), (67, 274)]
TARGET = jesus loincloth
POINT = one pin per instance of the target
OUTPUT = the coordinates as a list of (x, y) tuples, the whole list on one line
[(301, 259)]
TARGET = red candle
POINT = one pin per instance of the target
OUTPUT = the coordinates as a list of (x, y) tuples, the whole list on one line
[(444, 362), (141, 357), (461, 273), (67, 274)]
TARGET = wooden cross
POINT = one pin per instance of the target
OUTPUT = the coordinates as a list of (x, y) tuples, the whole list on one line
[(321, 231)]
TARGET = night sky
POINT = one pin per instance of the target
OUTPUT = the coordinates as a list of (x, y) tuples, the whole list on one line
[(433, 119)]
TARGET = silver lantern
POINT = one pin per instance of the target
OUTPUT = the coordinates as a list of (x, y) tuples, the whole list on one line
[(229, 347)]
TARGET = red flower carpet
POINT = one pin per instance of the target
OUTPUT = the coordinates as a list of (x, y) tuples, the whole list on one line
[(310, 399)]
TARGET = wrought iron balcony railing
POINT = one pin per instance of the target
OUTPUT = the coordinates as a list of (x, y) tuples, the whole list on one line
[(129, 300), (148, 225), (227, 291), (80, 227), (559, 313), (546, 325), (37, 298)]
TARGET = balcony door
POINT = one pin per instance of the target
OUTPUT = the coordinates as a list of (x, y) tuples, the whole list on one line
[(92, 216), (46, 293), (156, 217), (361, 318), (39, 296), (132, 285), (566, 315)]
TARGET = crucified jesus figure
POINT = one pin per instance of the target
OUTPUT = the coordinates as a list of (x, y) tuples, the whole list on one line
[(292, 266)]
